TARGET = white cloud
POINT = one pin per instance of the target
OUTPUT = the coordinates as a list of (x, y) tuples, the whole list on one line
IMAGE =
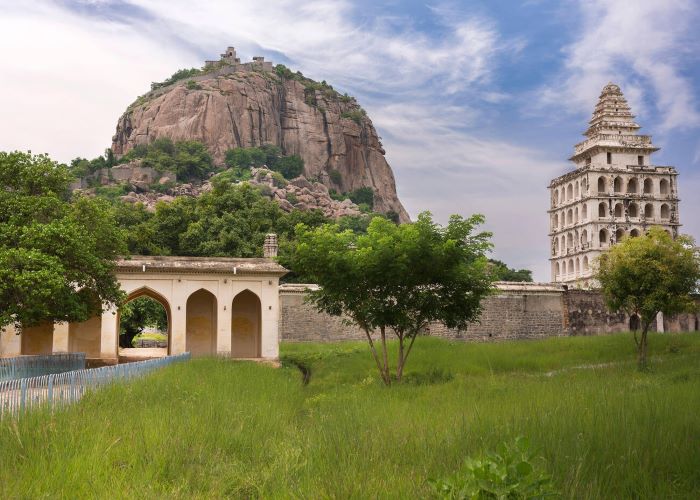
[(447, 171), (641, 46)]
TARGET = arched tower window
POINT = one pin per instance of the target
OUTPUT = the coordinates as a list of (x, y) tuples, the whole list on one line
[(633, 210), (632, 186), (569, 241), (555, 199), (663, 186), (584, 211), (648, 186), (570, 217), (584, 237), (617, 185), (576, 214), (576, 190), (665, 211), (619, 234), (602, 188), (602, 210), (634, 233), (603, 237), (585, 263), (648, 211), (618, 210), (569, 192)]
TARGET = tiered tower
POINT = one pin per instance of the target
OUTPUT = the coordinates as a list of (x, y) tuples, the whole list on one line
[(613, 192)]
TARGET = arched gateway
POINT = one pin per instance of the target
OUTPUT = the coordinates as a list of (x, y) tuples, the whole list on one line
[(215, 306)]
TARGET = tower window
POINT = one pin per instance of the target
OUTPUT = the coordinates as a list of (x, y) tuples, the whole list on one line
[(609, 158), (640, 160)]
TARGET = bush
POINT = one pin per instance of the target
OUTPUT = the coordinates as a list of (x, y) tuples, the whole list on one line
[(190, 160), (363, 195), (278, 180), (192, 85), (356, 115), (178, 75), (292, 198), (510, 473), (335, 176), (290, 166)]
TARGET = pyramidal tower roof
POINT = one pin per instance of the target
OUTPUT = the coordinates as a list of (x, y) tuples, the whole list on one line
[(612, 113), (612, 126)]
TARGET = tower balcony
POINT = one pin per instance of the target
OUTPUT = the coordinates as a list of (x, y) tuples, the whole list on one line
[(614, 141)]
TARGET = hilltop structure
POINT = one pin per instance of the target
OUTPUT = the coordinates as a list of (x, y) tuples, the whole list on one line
[(229, 58), (614, 191)]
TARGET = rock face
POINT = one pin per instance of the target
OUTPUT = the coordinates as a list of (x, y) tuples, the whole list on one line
[(245, 109)]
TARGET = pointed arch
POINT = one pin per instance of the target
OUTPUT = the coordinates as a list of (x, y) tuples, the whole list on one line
[(633, 210), (602, 210), (602, 187), (648, 186), (619, 212), (632, 186), (246, 325), (147, 291)]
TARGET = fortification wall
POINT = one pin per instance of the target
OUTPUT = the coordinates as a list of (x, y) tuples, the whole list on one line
[(515, 311)]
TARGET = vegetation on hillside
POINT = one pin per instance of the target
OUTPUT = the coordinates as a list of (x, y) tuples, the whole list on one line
[(268, 155), (214, 428), (181, 74), (649, 274), (56, 253), (397, 279), (189, 160)]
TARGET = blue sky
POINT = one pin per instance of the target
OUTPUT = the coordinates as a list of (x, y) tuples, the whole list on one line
[(478, 103)]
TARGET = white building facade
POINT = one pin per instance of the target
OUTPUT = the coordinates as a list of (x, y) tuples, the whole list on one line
[(614, 192)]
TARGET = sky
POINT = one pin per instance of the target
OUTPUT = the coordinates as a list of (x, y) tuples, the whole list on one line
[(478, 102)]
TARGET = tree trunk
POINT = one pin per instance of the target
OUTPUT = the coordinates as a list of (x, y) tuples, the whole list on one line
[(642, 348), (386, 376), (375, 355), (399, 363)]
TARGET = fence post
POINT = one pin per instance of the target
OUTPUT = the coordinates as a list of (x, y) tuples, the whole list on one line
[(22, 394), (49, 396)]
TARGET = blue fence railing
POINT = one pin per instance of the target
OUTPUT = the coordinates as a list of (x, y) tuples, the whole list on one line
[(60, 389), (35, 366)]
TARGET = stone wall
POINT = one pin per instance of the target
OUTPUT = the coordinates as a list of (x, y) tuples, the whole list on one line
[(516, 311)]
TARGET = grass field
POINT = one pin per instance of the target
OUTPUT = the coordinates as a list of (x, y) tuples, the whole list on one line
[(213, 428)]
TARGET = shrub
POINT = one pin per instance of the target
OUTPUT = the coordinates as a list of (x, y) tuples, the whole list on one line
[(292, 198), (278, 180), (335, 176), (178, 75), (511, 472), (356, 115), (290, 166), (192, 85), (363, 195)]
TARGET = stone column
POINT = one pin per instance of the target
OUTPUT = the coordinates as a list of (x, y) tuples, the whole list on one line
[(178, 340), (109, 337), (61, 338), (269, 316), (223, 319)]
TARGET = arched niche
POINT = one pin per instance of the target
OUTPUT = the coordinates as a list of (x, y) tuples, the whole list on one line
[(246, 325), (201, 321)]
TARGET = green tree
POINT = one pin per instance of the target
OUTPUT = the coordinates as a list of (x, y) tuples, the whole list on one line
[(56, 254), (290, 166), (137, 314), (650, 274), (397, 278), (501, 272)]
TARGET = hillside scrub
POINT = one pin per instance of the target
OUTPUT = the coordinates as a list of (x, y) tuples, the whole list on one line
[(216, 428)]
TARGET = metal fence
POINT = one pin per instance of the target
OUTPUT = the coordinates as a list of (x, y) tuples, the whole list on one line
[(59, 389), (35, 366)]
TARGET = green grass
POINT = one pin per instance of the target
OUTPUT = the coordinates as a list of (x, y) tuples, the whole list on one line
[(212, 428)]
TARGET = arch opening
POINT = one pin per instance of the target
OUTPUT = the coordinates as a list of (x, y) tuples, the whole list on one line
[(618, 210), (617, 185), (665, 211), (602, 209), (633, 210), (663, 186), (602, 188), (648, 186), (144, 325), (632, 186)]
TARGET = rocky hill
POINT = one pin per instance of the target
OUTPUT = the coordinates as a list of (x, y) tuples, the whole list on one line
[(229, 105)]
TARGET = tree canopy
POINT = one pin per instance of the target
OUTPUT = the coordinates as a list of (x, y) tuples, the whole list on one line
[(501, 272), (650, 274), (397, 278), (56, 253)]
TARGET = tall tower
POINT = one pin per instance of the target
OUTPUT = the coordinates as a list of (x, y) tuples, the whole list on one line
[(613, 192)]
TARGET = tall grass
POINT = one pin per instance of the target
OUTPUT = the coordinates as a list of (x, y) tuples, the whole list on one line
[(220, 428)]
